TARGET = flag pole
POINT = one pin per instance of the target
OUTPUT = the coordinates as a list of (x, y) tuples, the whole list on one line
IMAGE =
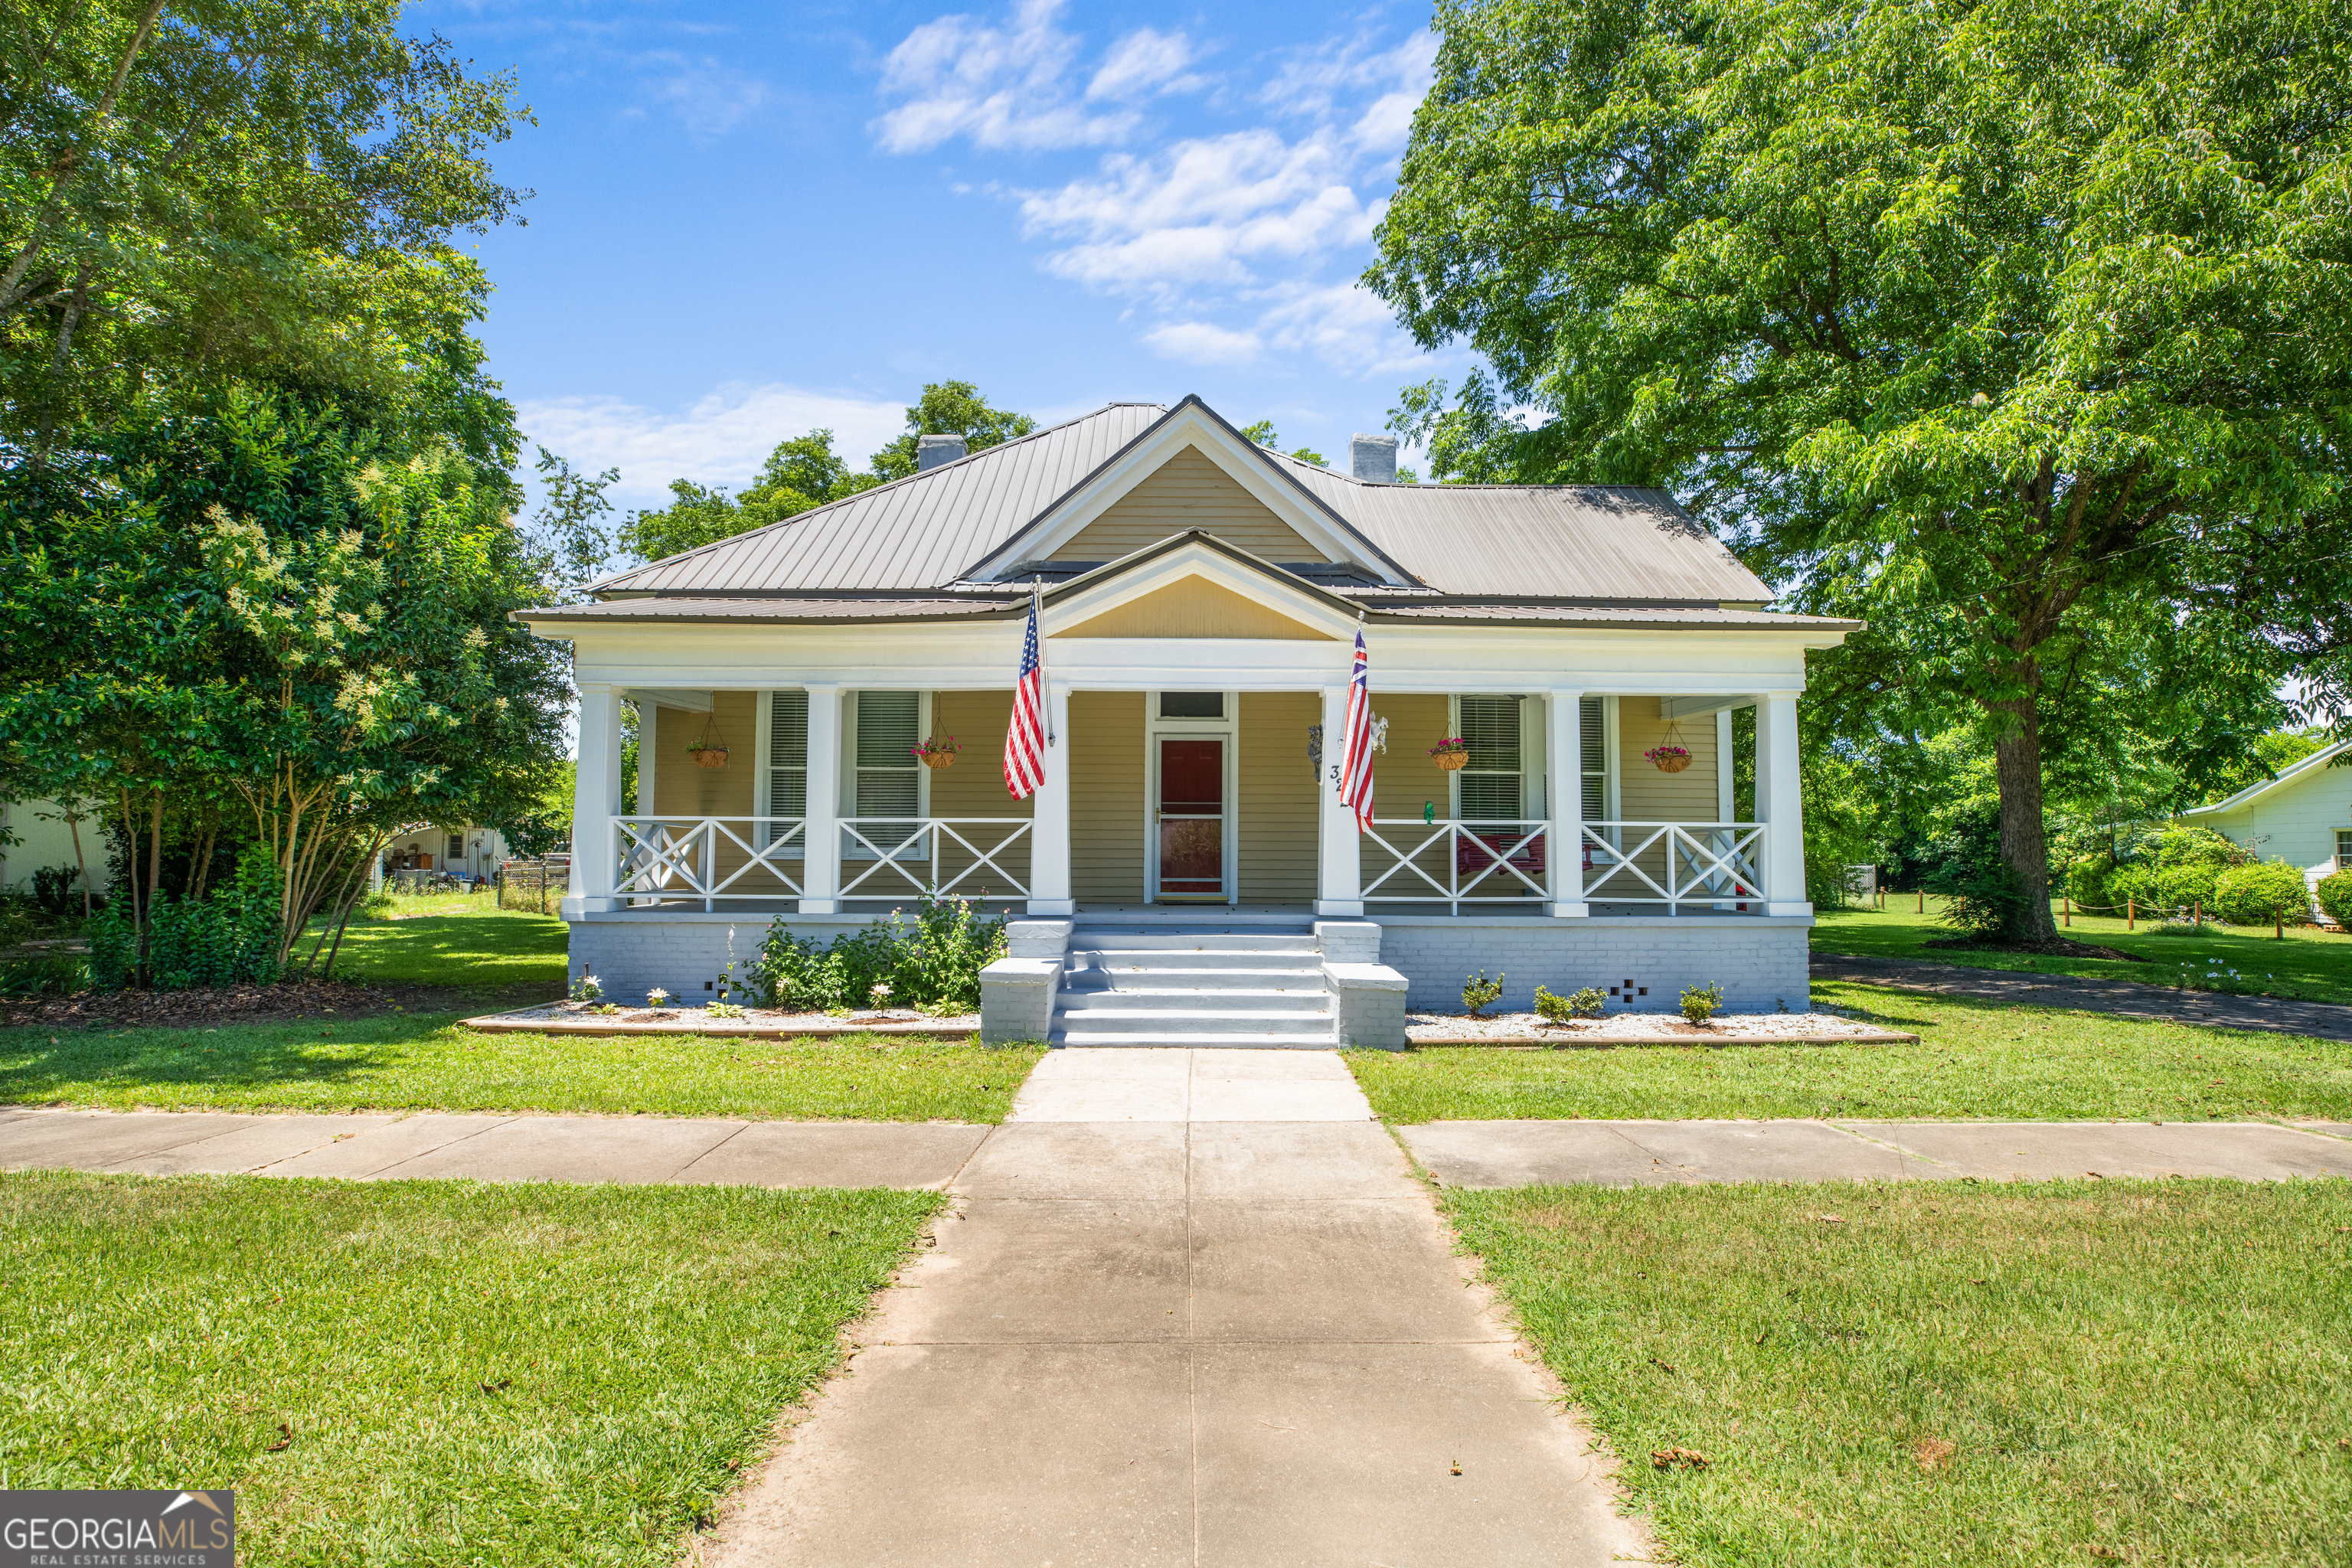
[(1045, 684)]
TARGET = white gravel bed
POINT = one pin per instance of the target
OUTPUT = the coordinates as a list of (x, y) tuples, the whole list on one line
[(698, 1020), (1439, 1028)]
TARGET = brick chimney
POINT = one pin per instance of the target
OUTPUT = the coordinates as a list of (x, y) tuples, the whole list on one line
[(930, 451), (1372, 458)]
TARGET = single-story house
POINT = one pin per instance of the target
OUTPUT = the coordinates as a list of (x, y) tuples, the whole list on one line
[(1188, 870), (464, 849), (45, 840), (2303, 817)]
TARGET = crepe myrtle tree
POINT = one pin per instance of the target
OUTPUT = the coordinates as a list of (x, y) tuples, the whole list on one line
[(2022, 331)]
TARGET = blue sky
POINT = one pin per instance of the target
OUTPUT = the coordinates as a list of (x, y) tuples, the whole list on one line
[(752, 220)]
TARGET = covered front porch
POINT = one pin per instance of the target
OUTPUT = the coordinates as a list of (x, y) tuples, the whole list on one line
[(1163, 803)]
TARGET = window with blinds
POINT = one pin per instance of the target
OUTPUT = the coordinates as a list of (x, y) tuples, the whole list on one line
[(787, 761), (1492, 783), (1594, 741), (888, 783)]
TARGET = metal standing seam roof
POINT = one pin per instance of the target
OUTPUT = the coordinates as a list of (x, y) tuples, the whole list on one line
[(917, 533), (923, 532)]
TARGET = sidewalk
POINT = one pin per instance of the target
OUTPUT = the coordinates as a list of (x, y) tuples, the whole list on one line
[(1192, 1309)]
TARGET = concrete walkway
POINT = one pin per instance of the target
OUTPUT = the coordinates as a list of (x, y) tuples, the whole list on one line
[(2124, 998), (1191, 1309)]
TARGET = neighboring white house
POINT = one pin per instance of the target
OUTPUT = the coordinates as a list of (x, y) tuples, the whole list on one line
[(464, 849), (1187, 872), (46, 839), (2304, 816)]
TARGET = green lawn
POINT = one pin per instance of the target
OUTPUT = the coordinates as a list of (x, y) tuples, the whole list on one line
[(513, 1374), (2308, 963), (401, 1063), (1985, 1059), (2144, 1372), (471, 945)]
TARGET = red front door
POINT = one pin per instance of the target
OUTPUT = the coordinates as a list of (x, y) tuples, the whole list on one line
[(1192, 819)]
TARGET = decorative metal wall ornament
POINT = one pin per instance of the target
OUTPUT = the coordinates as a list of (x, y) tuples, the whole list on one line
[(1315, 751)]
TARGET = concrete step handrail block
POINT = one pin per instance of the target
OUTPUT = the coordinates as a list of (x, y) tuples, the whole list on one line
[(1368, 1001), (1016, 999)]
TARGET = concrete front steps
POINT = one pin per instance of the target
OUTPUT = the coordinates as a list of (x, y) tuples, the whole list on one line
[(1245, 985)]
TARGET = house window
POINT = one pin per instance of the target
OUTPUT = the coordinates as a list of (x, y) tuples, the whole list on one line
[(1594, 764), (457, 847), (1492, 783), (787, 753), (2342, 848), (888, 785), (1191, 705)]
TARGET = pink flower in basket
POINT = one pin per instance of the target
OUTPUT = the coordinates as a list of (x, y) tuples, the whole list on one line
[(1662, 753), (1451, 745)]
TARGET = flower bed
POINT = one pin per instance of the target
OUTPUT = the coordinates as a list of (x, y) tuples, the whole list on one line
[(587, 1019)]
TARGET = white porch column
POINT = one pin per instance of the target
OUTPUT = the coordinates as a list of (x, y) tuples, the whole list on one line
[(1340, 883), (820, 836), (1726, 797), (1564, 781), (595, 800), (1780, 805), (1049, 833)]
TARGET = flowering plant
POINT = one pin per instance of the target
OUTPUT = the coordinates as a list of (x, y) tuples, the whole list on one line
[(936, 748), (1448, 746), (1660, 754), (878, 994), (587, 988), (656, 997)]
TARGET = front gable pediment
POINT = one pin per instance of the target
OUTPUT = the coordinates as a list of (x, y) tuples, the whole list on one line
[(1191, 459), (1196, 585)]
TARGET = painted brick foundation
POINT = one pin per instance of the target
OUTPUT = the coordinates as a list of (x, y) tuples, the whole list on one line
[(1760, 961)]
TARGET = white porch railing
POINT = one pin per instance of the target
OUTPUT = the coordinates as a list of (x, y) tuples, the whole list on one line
[(1453, 863), (900, 844), (667, 858), (1726, 867)]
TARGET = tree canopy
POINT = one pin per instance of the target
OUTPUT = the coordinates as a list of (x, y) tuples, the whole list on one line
[(2022, 332), (245, 187)]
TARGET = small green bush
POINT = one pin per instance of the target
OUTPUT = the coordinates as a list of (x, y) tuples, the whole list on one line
[(1701, 1003), (932, 962), (2188, 864), (1585, 1004), (2335, 898), (1479, 992), (2260, 894)]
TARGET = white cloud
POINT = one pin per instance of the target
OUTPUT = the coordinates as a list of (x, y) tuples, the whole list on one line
[(722, 439), (1001, 86), (1200, 212), (1344, 324), (1146, 60), (1315, 82), (1200, 342), (708, 96)]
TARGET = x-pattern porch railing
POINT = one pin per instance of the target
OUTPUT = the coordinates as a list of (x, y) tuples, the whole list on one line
[(666, 858), (922, 841), (1728, 867), (1483, 862)]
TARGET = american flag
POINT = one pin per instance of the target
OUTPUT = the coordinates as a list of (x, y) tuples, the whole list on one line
[(1356, 762), (1024, 742)]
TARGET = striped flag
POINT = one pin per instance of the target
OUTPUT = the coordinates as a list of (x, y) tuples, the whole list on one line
[(1356, 762), (1025, 741)]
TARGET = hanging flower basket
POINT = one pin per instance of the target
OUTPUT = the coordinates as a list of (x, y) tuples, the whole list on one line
[(708, 755), (1669, 759), (1451, 753), (935, 754)]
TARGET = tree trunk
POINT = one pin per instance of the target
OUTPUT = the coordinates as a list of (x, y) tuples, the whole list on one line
[(2024, 843)]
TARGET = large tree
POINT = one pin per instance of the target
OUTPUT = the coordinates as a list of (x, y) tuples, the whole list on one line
[(260, 187), (2023, 330)]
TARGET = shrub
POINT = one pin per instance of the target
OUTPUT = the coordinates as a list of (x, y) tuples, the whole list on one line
[(1980, 903), (53, 890), (2188, 863), (1479, 992), (1701, 1003), (52, 974), (932, 962), (1585, 1004), (2259, 894), (2335, 898)]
